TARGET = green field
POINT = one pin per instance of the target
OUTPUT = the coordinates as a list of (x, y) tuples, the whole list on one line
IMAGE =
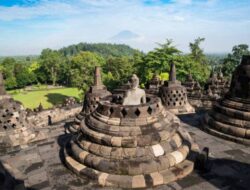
[(47, 97)]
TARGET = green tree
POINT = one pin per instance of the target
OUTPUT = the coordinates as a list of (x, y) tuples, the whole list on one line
[(50, 62), (197, 53), (233, 59), (119, 69), (8, 66), (82, 68), (158, 61), (22, 75)]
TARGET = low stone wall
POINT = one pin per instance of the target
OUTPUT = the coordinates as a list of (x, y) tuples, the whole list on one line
[(50, 116)]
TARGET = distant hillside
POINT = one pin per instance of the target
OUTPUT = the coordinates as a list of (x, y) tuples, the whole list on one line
[(216, 59), (104, 49), (216, 55), (21, 58)]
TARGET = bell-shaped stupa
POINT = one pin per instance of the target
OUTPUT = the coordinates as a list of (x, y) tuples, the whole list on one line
[(131, 142), (91, 99), (15, 131), (216, 86), (153, 86), (174, 95), (230, 117), (194, 91)]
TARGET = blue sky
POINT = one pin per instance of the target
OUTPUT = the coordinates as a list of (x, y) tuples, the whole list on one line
[(28, 26)]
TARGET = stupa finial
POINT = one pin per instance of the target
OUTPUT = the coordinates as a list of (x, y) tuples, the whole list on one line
[(97, 77), (172, 73), (2, 88)]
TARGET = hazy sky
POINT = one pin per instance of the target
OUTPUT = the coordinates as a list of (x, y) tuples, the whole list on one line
[(28, 26)]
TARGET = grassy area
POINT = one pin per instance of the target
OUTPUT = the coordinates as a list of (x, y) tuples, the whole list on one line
[(47, 98)]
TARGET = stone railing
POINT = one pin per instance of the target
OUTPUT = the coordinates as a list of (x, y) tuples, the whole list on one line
[(113, 110), (51, 116)]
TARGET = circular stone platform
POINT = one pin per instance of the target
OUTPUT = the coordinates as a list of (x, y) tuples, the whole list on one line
[(131, 146), (230, 117)]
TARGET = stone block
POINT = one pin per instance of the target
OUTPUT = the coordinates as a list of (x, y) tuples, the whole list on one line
[(102, 178), (158, 150), (116, 153), (129, 152), (178, 156), (105, 151), (157, 178), (83, 155), (128, 142), (171, 160), (116, 141), (138, 181)]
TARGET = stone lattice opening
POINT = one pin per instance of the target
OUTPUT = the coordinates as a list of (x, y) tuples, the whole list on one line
[(150, 110), (137, 112), (124, 112)]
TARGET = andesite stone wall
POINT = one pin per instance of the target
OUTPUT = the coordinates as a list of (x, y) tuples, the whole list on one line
[(41, 119)]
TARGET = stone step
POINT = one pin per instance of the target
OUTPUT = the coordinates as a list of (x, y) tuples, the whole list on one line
[(125, 181), (227, 129), (230, 121), (129, 142), (112, 152), (130, 166), (217, 133), (231, 112)]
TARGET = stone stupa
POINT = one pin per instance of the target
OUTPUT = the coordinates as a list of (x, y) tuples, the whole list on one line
[(174, 95), (15, 131), (194, 91), (153, 86), (230, 117), (133, 142), (91, 99)]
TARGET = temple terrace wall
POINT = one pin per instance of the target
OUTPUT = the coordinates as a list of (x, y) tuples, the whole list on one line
[(50, 116)]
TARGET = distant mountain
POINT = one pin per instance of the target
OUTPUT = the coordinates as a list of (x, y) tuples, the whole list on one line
[(104, 49), (125, 35)]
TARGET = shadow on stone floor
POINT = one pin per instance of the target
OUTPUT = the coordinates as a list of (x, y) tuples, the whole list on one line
[(8, 182), (220, 174), (62, 142), (192, 119)]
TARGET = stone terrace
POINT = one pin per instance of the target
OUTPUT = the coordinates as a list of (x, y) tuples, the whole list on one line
[(41, 165)]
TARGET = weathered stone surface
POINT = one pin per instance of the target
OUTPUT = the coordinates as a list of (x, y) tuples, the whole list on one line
[(153, 86), (126, 141), (230, 167), (174, 95), (92, 98), (134, 95), (15, 130), (230, 116)]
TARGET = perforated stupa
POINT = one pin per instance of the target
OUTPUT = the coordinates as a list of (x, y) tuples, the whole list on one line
[(174, 95), (15, 131), (128, 144)]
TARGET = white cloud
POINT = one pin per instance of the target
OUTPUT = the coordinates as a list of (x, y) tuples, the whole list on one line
[(66, 22), (45, 8), (179, 18), (184, 2)]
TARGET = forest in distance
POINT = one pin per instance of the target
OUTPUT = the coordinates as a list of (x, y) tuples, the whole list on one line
[(71, 66)]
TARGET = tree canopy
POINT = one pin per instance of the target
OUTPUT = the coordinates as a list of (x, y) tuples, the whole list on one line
[(74, 68), (102, 49), (233, 59)]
